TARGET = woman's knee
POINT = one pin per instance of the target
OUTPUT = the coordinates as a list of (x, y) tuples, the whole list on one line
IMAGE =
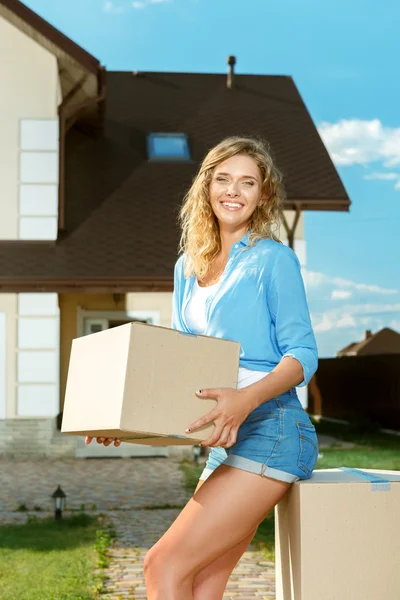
[(153, 561), (164, 564), (147, 561)]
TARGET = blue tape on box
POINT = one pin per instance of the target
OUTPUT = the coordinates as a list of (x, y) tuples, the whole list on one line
[(378, 484)]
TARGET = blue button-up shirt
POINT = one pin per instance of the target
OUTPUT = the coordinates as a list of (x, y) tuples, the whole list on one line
[(260, 303)]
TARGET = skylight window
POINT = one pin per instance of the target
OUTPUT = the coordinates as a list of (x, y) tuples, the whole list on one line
[(168, 146)]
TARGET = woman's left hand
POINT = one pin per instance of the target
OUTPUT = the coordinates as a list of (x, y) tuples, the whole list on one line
[(228, 415)]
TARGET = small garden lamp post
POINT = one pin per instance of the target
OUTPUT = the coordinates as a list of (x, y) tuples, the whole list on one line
[(196, 453), (59, 502)]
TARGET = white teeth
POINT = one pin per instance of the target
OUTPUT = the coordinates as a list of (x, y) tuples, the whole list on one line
[(232, 205)]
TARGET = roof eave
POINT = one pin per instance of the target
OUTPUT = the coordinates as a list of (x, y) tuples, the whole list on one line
[(319, 204), (106, 285), (33, 20)]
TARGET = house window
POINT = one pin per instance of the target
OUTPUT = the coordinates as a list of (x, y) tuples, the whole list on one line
[(168, 146), (38, 179), (93, 325), (93, 321)]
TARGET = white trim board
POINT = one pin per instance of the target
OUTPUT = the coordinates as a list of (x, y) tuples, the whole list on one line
[(38, 355)]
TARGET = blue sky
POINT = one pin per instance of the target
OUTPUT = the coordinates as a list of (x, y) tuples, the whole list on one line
[(343, 57)]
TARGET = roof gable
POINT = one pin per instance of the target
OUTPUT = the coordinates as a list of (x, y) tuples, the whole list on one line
[(385, 341), (79, 71)]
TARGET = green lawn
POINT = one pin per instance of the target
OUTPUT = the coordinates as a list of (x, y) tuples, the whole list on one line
[(374, 450), (52, 560)]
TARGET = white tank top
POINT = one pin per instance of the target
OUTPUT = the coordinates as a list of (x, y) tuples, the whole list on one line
[(195, 315)]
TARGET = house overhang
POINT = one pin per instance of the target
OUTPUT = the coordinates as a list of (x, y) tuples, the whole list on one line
[(73, 61), (109, 285), (318, 204)]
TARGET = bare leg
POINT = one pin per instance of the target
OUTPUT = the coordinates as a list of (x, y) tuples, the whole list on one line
[(211, 582), (220, 518)]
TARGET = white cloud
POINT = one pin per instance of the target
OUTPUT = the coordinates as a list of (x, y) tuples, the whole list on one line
[(346, 321), (365, 312), (138, 4), (351, 315), (341, 294), (325, 323), (367, 288), (315, 279), (374, 308), (365, 321), (353, 141), (395, 324), (112, 8), (332, 320), (385, 176)]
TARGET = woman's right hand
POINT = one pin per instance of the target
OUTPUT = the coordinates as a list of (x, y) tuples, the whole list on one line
[(103, 440)]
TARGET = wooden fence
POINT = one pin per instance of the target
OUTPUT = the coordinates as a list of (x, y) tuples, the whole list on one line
[(358, 387)]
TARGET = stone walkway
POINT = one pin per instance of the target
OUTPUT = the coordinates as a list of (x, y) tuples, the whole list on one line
[(129, 492), (253, 577)]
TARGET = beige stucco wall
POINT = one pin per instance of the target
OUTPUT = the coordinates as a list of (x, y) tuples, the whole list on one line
[(71, 303), (161, 301), (29, 90), (290, 216), (9, 306)]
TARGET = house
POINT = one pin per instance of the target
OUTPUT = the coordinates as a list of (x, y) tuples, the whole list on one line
[(93, 167), (385, 341)]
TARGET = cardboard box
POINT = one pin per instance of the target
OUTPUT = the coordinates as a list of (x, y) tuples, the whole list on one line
[(337, 537), (137, 382)]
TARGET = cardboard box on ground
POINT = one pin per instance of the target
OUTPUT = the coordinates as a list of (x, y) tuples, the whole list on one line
[(137, 382), (337, 537)]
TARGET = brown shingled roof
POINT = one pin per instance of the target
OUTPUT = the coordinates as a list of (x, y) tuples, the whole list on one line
[(384, 341), (121, 209)]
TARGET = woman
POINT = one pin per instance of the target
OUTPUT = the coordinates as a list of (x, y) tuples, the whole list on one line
[(235, 280)]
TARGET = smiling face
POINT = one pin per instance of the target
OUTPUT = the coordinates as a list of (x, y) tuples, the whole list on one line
[(235, 191)]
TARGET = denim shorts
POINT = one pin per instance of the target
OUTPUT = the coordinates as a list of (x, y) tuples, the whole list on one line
[(276, 440)]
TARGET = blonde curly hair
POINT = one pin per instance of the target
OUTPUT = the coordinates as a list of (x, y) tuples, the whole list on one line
[(200, 239)]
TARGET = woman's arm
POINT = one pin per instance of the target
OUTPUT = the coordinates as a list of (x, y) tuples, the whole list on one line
[(234, 406), (287, 374), (290, 315)]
